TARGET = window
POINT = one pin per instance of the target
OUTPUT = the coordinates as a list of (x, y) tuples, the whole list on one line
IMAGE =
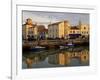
[(70, 31), (84, 57), (84, 27), (86, 32), (73, 31)]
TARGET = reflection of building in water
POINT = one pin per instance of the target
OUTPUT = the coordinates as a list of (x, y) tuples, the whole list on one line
[(52, 59), (29, 62), (75, 54), (84, 56), (61, 58), (64, 58), (34, 60)]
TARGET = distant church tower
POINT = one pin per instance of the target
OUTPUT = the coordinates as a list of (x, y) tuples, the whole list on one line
[(79, 24)]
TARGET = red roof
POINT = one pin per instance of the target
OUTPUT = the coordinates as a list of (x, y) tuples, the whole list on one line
[(41, 28)]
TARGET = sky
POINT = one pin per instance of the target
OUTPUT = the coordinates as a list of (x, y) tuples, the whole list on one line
[(45, 18)]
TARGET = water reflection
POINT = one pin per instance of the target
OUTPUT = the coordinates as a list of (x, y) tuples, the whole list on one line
[(65, 57), (78, 56)]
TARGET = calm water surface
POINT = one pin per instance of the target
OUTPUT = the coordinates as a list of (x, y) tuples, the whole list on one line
[(68, 57)]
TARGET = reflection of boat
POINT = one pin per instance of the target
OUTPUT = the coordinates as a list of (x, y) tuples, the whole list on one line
[(37, 48), (63, 47)]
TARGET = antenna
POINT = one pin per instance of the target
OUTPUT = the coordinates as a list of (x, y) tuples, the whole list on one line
[(80, 23)]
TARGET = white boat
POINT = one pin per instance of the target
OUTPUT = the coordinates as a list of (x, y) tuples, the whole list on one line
[(37, 48), (70, 44)]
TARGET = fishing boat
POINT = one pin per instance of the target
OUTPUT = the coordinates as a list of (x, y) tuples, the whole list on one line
[(37, 48), (70, 44)]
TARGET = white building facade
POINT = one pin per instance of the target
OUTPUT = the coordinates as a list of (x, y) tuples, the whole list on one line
[(58, 30)]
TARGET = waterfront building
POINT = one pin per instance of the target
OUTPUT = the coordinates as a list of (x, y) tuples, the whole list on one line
[(61, 29), (80, 30), (58, 29), (29, 30), (64, 30), (84, 29), (74, 32)]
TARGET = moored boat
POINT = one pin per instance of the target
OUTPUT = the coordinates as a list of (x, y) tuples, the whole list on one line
[(37, 48), (70, 44)]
